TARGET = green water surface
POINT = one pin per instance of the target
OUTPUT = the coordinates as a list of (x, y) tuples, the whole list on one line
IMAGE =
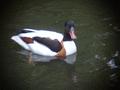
[(96, 44)]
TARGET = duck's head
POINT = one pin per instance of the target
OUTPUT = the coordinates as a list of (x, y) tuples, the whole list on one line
[(69, 31)]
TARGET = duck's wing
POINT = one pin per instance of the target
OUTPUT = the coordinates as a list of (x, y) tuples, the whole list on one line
[(42, 33)]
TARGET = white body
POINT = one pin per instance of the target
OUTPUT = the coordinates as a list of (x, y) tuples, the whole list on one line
[(41, 49)]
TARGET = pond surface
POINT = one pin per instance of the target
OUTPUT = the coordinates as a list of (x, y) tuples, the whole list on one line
[(94, 67)]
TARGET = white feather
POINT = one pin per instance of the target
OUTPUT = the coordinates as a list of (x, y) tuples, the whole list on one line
[(42, 33), (41, 49), (18, 40), (70, 47)]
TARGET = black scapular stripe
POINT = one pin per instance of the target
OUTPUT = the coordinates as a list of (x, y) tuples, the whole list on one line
[(23, 31), (54, 45)]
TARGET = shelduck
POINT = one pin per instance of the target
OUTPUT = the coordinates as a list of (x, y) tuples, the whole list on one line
[(48, 43)]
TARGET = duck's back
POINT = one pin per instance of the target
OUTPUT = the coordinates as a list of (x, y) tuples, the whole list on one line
[(43, 33)]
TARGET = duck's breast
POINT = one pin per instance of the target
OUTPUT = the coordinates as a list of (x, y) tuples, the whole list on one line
[(70, 47)]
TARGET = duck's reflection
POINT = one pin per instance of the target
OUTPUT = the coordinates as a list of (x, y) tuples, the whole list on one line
[(38, 58), (69, 69)]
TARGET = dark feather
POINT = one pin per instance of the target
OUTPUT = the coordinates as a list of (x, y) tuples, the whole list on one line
[(54, 45), (23, 31)]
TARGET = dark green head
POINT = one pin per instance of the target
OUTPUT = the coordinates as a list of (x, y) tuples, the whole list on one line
[(70, 29)]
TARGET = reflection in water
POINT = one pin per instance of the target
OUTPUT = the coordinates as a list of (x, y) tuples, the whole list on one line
[(59, 73), (38, 58)]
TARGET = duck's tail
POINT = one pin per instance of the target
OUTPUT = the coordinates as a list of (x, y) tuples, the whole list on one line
[(19, 41)]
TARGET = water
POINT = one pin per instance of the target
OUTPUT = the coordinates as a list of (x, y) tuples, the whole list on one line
[(88, 69)]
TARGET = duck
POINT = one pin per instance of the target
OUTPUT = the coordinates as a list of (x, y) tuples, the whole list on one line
[(48, 42)]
